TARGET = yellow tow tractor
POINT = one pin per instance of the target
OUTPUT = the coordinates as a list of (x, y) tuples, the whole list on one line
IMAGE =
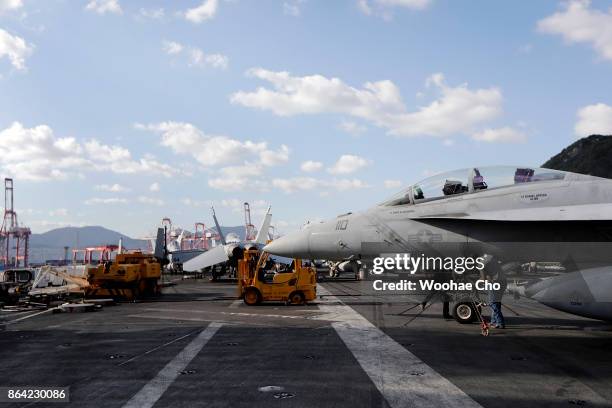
[(258, 281), (130, 276)]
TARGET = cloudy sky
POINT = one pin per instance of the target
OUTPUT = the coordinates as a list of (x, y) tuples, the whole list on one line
[(119, 113)]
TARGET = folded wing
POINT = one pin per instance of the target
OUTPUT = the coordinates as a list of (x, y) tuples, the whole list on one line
[(211, 257)]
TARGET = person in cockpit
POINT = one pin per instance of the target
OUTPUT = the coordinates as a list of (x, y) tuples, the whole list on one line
[(478, 181)]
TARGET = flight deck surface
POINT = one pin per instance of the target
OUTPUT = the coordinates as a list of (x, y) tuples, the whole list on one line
[(199, 346)]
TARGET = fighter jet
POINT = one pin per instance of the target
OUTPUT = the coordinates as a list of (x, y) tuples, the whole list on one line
[(515, 214), (230, 251)]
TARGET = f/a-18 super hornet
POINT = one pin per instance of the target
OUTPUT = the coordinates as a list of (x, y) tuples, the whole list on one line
[(223, 258), (514, 215)]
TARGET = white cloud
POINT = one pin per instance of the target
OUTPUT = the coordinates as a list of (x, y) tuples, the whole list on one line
[(147, 164), (29, 211), (203, 12), (37, 154), (153, 13), (594, 119), (151, 201), (112, 200), (239, 178), (578, 23), (290, 185), (293, 7), (189, 202), (15, 48), (258, 207), (364, 7), (172, 47), (392, 183), (213, 150), (348, 163), (457, 110), (104, 6), (382, 8), (106, 153), (233, 203), (154, 187), (504, 134), (310, 166), (345, 184), (10, 5), (216, 60), (317, 94), (352, 127), (194, 56), (119, 160), (113, 188), (60, 212), (195, 203), (412, 4), (274, 157), (197, 58)]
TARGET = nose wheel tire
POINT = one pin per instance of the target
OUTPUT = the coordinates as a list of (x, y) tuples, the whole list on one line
[(464, 312), (252, 297), (296, 298)]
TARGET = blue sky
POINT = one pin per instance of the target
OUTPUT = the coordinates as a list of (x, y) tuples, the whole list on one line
[(119, 113)]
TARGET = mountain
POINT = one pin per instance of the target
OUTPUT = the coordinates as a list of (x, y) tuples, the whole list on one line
[(50, 245), (82, 237), (590, 155)]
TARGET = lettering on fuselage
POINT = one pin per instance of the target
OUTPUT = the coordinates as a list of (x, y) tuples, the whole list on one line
[(575, 300), (395, 212), (532, 197), (425, 237), (341, 225)]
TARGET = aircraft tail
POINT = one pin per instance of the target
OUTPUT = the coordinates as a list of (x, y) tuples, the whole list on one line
[(264, 229), (218, 226), (160, 244)]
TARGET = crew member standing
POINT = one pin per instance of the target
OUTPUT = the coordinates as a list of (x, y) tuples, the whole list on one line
[(495, 274)]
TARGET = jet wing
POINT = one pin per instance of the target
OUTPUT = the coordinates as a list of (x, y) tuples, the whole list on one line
[(211, 257)]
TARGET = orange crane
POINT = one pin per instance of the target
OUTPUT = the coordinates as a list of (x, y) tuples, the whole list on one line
[(12, 231)]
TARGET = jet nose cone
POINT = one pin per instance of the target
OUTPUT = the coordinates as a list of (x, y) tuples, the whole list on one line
[(293, 245)]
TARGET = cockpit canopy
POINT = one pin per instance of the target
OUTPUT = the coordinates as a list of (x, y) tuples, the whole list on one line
[(471, 180)]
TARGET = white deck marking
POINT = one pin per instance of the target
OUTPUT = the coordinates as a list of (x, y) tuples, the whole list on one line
[(400, 376), (154, 389), (26, 317), (211, 312), (235, 304)]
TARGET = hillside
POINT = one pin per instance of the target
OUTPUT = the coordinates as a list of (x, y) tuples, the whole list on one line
[(82, 237), (590, 155), (50, 245)]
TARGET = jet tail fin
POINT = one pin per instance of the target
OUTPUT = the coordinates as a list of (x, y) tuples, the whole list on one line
[(160, 244), (218, 226), (262, 233)]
